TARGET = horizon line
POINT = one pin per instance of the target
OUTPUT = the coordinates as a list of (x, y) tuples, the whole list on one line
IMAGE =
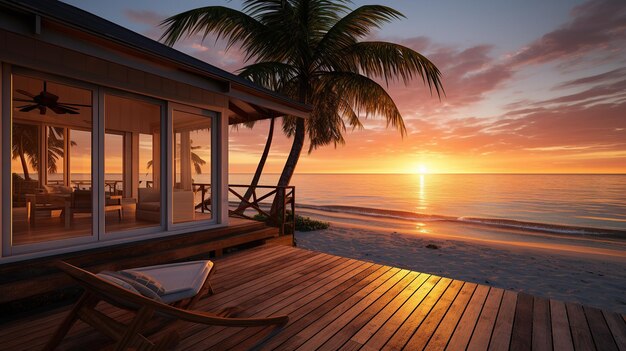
[(440, 173)]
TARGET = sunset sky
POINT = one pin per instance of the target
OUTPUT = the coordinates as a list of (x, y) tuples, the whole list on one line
[(531, 86)]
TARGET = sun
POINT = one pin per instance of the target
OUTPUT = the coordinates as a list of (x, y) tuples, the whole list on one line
[(421, 169)]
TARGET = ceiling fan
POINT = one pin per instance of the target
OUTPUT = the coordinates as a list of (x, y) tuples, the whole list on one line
[(46, 100)]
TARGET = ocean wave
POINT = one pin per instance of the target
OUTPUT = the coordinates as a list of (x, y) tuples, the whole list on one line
[(492, 222)]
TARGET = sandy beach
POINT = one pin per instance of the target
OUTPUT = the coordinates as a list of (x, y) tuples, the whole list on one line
[(586, 271)]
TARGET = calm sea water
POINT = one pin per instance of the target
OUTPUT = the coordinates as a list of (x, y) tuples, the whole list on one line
[(568, 202), (588, 201)]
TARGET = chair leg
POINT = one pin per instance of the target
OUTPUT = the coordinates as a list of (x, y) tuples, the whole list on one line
[(87, 300), (143, 316)]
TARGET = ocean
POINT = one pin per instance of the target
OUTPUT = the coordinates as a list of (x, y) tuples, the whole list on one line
[(556, 203)]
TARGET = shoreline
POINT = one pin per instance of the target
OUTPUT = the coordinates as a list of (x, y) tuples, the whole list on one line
[(587, 271), (530, 226)]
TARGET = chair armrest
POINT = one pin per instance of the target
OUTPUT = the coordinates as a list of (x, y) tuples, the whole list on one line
[(212, 319)]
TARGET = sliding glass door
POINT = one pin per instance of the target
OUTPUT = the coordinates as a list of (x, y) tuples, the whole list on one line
[(192, 195), (132, 158), (51, 163)]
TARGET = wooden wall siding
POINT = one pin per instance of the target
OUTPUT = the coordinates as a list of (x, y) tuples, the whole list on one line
[(28, 52), (337, 303), (38, 276)]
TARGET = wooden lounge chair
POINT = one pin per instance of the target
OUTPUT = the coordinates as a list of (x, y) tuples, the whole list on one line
[(132, 335)]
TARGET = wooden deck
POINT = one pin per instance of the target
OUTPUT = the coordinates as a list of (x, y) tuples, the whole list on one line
[(340, 303)]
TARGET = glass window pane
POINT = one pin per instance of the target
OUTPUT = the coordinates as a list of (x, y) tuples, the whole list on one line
[(132, 153), (49, 203), (56, 155), (191, 196)]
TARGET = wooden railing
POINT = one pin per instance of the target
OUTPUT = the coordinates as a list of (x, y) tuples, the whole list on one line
[(261, 202)]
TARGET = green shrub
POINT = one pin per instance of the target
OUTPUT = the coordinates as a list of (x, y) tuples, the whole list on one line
[(306, 224), (303, 224)]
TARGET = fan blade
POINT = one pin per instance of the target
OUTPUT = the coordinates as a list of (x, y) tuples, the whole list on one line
[(24, 92), (27, 108), (62, 110), (79, 105), (68, 107), (23, 100)]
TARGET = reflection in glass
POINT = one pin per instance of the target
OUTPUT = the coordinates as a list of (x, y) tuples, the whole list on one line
[(132, 186), (191, 196), (56, 155), (51, 161)]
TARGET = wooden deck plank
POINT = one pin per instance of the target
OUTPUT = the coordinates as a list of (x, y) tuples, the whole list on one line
[(374, 324), (422, 335), (351, 345), (486, 322), (521, 337), (602, 336), (274, 268), (319, 326), (310, 312), (380, 338), (442, 335), (463, 332), (501, 337), (311, 301), (406, 330), (346, 329), (264, 280), (618, 329), (541, 331), (581, 335), (227, 337), (354, 309), (335, 275), (561, 333)]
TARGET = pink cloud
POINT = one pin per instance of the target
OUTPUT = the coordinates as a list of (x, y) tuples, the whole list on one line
[(596, 24), (468, 75), (598, 78)]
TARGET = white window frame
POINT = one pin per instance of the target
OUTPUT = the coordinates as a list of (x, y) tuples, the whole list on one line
[(139, 232), (215, 167), (8, 249)]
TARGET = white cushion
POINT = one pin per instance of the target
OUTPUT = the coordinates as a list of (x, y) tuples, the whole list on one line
[(118, 282), (180, 280)]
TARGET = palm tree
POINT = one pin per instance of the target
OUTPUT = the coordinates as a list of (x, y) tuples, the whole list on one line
[(26, 146), (310, 50), (56, 147), (196, 160)]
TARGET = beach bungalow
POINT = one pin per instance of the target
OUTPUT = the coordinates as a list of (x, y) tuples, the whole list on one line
[(109, 137)]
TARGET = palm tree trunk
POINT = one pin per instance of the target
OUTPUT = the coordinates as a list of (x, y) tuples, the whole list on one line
[(259, 170), (24, 165), (288, 170)]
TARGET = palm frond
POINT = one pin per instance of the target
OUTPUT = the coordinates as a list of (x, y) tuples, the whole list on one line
[(226, 23), (271, 75), (391, 61), (355, 25), (364, 94)]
